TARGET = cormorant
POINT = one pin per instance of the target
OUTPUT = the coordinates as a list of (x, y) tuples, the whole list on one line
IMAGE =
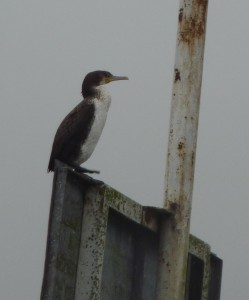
[(79, 132)]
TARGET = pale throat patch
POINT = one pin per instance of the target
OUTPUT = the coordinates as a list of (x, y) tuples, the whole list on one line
[(101, 106)]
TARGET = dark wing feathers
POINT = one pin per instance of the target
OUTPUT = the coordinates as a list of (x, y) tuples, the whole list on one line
[(73, 128)]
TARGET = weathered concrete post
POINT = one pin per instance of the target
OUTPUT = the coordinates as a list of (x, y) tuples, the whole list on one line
[(182, 148)]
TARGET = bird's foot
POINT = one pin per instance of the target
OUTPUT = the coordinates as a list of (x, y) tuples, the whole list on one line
[(80, 169), (75, 167)]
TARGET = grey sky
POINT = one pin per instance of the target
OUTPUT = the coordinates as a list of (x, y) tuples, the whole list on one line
[(47, 47)]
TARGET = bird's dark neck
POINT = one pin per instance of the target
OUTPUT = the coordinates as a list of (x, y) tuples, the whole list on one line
[(93, 92), (89, 91)]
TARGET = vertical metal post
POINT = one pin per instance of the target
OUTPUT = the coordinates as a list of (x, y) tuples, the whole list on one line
[(182, 148)]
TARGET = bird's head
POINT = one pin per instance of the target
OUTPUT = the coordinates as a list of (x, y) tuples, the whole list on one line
[(97, 78)]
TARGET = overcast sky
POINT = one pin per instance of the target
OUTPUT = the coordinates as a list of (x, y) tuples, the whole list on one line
[(47, 47)]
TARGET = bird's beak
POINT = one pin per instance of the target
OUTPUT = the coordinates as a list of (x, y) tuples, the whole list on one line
[(114, 78)]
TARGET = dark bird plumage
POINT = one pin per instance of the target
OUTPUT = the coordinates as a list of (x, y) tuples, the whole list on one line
[(79, 132)]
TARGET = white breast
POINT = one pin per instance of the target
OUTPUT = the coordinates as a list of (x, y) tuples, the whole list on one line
[(101, 108)]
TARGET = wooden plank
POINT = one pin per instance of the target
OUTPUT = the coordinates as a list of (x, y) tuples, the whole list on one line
[(63, 237), (103, 245)]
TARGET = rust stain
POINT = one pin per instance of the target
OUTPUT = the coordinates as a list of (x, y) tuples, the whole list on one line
[(192, 26), (174, 206), (181, 149), (180, 15), (180, 145), (177, 75), (178, 209), (193, 158), (203, 3)]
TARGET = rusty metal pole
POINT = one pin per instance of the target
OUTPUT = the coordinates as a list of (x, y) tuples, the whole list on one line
[(182, 148)]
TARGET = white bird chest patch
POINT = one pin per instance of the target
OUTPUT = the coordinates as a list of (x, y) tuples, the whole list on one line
[(100, 114)]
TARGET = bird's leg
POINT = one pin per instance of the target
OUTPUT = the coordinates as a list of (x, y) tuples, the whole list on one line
[(80, 169)]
